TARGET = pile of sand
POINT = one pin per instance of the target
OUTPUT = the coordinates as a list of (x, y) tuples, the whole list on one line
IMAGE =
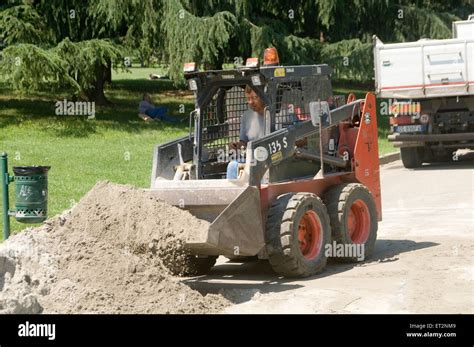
[(106, 255)]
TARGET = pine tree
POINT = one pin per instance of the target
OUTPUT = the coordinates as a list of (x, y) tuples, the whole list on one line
[(51, 44), (210, 32)]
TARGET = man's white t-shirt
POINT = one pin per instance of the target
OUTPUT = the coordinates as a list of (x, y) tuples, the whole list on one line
[(252, 126)]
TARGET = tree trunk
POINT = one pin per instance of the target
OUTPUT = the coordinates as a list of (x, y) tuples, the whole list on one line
[(96, 93), (108, 73)]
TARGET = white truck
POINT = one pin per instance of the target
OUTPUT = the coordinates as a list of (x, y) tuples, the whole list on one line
[(429, 88)]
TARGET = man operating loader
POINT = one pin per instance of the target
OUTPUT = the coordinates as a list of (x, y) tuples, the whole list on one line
[(252, 127)]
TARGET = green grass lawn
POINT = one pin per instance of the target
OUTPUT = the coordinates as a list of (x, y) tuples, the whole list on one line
[(116, 145)]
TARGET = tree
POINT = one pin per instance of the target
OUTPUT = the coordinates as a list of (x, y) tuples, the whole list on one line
[(41, 53), (82, 67), (68, 34)]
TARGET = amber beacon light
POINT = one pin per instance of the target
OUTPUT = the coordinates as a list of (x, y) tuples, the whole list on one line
[(270, 57)]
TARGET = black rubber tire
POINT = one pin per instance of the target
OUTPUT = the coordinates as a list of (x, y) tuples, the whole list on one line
[(339, 200), (192, 265), (412, 157), (281, 236)]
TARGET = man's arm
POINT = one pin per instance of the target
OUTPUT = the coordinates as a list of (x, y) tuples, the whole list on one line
[(302, 142), (243, 135), (237, 145)]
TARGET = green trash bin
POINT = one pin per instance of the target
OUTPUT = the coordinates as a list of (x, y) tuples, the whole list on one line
[(31, 193)]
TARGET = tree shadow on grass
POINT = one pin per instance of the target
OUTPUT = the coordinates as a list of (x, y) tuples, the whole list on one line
[(121, 116), (142, 85), (42, 112), (7, 121)]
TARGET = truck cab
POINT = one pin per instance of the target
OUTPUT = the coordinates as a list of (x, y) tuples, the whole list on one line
[(429, 88)]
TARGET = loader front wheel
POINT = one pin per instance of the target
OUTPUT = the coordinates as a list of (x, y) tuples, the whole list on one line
[(297, 232), (353, 217)]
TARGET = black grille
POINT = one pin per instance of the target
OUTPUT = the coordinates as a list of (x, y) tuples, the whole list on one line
[(290, 106), (221, 118), (293, 98)]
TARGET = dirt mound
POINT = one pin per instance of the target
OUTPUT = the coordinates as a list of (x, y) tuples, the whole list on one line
[(107, 255)]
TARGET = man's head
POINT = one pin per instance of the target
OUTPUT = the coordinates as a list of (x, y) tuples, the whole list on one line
[(254, 101), (147, 97)]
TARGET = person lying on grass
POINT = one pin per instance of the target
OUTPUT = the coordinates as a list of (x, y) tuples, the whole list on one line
[(148, 111)]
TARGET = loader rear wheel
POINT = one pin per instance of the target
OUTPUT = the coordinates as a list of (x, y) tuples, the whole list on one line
[(297, 232), (412, 157), (353, 218), (192, 265)]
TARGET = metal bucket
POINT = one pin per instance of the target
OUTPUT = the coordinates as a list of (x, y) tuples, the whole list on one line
[(232, 208)]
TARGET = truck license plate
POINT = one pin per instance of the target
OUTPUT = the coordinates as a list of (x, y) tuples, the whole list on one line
[(409, 128)]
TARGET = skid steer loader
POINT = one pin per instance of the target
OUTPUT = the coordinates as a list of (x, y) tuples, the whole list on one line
[(310, 183)]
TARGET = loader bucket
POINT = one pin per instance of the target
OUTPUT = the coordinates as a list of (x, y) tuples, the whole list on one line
[(233, 208)]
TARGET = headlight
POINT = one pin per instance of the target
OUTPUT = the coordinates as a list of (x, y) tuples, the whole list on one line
[(424, 118), (192, 84), (256, 81)]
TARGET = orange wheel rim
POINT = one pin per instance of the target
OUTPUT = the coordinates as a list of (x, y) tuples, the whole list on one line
[(310, 235), (358, 222)]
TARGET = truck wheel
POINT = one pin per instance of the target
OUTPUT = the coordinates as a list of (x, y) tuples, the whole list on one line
[(412, 157), (353, 218), (297, 232), (191, 265)]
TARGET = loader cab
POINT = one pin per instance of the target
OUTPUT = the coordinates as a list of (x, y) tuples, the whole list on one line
[(286, 92)]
